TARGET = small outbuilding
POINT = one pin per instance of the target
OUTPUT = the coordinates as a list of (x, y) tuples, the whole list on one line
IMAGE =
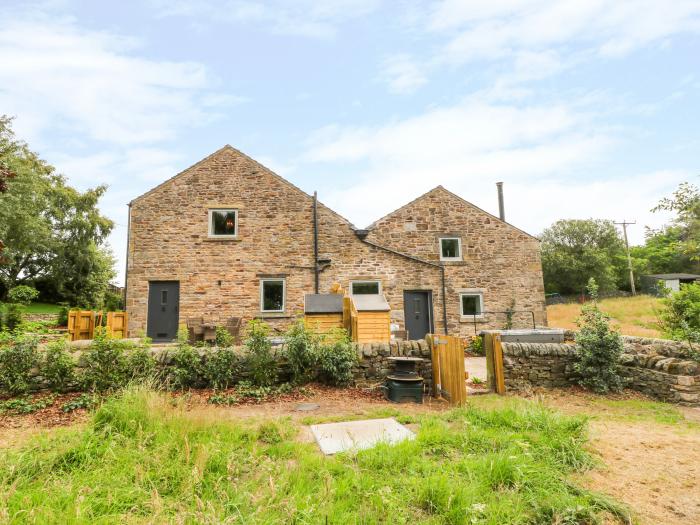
[(369, 318), (323, 312), (673, 281)]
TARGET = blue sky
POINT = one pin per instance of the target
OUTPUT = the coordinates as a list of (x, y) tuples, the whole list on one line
[(583, 108)]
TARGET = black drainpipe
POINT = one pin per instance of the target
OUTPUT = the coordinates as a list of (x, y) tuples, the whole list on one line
[(362, 235), (316, 269), (126, 269)]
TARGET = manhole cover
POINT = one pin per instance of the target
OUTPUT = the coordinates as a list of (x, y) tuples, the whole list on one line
[(306, 407)]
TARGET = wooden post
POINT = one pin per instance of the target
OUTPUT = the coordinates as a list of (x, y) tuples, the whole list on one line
[(488, 350), (499, 377)]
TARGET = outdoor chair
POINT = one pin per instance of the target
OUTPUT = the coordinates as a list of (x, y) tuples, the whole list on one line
[(195, 332), (233, 325)]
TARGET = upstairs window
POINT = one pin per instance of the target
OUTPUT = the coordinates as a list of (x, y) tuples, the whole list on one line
[(272, 295), (223, 223), (365, 288), (450, 249), (472, 304)]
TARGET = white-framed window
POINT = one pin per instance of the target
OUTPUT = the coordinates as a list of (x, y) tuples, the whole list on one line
[(450, 249), (471, 304), (223, 222), (273, 294), (365, 287)]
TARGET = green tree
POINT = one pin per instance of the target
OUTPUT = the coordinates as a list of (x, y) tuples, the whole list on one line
[(680, 315), (663, 252), (49, 229), (575, 250), (685, 202)]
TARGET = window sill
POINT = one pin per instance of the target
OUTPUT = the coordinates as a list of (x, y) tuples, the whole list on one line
[(470, 319), (273, 315), (222, 239)]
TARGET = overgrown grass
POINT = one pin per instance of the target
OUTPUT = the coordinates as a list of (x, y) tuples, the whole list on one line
[(632, 315), (140, 460), (43, 308)]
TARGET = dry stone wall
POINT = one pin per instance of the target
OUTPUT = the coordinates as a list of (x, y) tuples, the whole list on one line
[(373, 364), (658, 368)]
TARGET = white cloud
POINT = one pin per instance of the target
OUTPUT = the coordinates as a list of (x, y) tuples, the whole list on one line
[(56, 75), (307, 18), (402, 74), (487, 29)]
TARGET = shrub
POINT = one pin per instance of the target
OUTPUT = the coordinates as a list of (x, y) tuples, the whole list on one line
[(112, 363), (301, 350), (599, 348), (57, 366), (187, 367), (680, 316), (221, 368), (13, 316), (63, 315), (476, 345), (223, 337), (336, 358), (17, 358), (260, 359), (24, 405), (22, 294), (82, 401), (140, 364)]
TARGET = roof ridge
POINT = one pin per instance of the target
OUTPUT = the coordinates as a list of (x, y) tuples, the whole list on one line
[(465, 201)]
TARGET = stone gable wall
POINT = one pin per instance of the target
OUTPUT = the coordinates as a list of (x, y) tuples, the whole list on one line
[(497, 258), (220, 279), (655, 367)]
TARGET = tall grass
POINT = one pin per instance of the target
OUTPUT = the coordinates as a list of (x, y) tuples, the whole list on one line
[(141, 460), (632, 315)]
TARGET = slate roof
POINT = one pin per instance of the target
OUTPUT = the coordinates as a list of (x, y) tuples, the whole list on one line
[(370, 303)]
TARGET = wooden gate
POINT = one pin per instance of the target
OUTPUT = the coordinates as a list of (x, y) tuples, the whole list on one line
[(494, 362), (81, 324), (449, 380)]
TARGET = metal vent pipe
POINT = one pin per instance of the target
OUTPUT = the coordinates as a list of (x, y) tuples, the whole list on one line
[(501, 207)]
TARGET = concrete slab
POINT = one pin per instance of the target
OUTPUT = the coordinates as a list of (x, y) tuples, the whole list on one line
[(358, 435), (476, 366)]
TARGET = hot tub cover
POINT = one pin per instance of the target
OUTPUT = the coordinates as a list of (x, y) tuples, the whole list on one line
[(323, 303)]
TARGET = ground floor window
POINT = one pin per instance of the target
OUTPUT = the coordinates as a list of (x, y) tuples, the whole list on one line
[(272, 295), (472, 304), (365, 288)]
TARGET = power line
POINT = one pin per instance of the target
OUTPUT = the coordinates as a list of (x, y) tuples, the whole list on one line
[(624, 225)]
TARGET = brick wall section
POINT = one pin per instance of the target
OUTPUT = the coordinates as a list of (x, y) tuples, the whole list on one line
[(219, 279), (655, 367), (497, 258)]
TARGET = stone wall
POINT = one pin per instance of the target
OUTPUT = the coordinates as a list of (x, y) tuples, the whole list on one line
[(372, 367), (658, 368), (220, 278)]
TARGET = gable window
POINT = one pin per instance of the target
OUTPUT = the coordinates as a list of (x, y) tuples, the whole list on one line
[(471, 304), (450, 249), (223, 223), (272, 295), (365, 288)]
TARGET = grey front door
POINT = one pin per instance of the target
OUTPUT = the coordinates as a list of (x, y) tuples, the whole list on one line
[(418, 313), (163, 310)]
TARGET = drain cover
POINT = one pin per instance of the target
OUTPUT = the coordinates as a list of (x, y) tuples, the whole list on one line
[(306, 407)]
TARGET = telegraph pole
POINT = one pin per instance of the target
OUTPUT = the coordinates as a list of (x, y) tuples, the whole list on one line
[(624, 225)]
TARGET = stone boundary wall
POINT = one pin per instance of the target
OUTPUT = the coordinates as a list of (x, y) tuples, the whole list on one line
[(372, 367), (40, 317), (656, 367)]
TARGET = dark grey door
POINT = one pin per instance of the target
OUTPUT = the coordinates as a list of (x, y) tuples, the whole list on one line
[(163, 310), (418, 313)]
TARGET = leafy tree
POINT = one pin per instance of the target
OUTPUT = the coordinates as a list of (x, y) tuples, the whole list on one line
[(50, 230), (573, 251), (663, 252), (680, 315), (599, 347), (685, 202)]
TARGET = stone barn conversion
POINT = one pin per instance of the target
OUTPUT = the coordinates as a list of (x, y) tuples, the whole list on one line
[(228, 238)]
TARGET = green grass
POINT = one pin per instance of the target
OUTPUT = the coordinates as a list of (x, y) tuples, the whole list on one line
[(141, 460), (43, 308)]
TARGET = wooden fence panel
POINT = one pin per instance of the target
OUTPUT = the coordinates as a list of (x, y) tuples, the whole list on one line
[(117, 323), (81, 324), (448, 368)]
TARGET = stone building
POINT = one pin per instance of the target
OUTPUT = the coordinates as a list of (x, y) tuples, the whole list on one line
[(229, 238)]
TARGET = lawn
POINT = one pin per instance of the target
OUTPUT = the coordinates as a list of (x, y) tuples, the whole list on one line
[(143, 458), (632, 315), (41, 308)]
